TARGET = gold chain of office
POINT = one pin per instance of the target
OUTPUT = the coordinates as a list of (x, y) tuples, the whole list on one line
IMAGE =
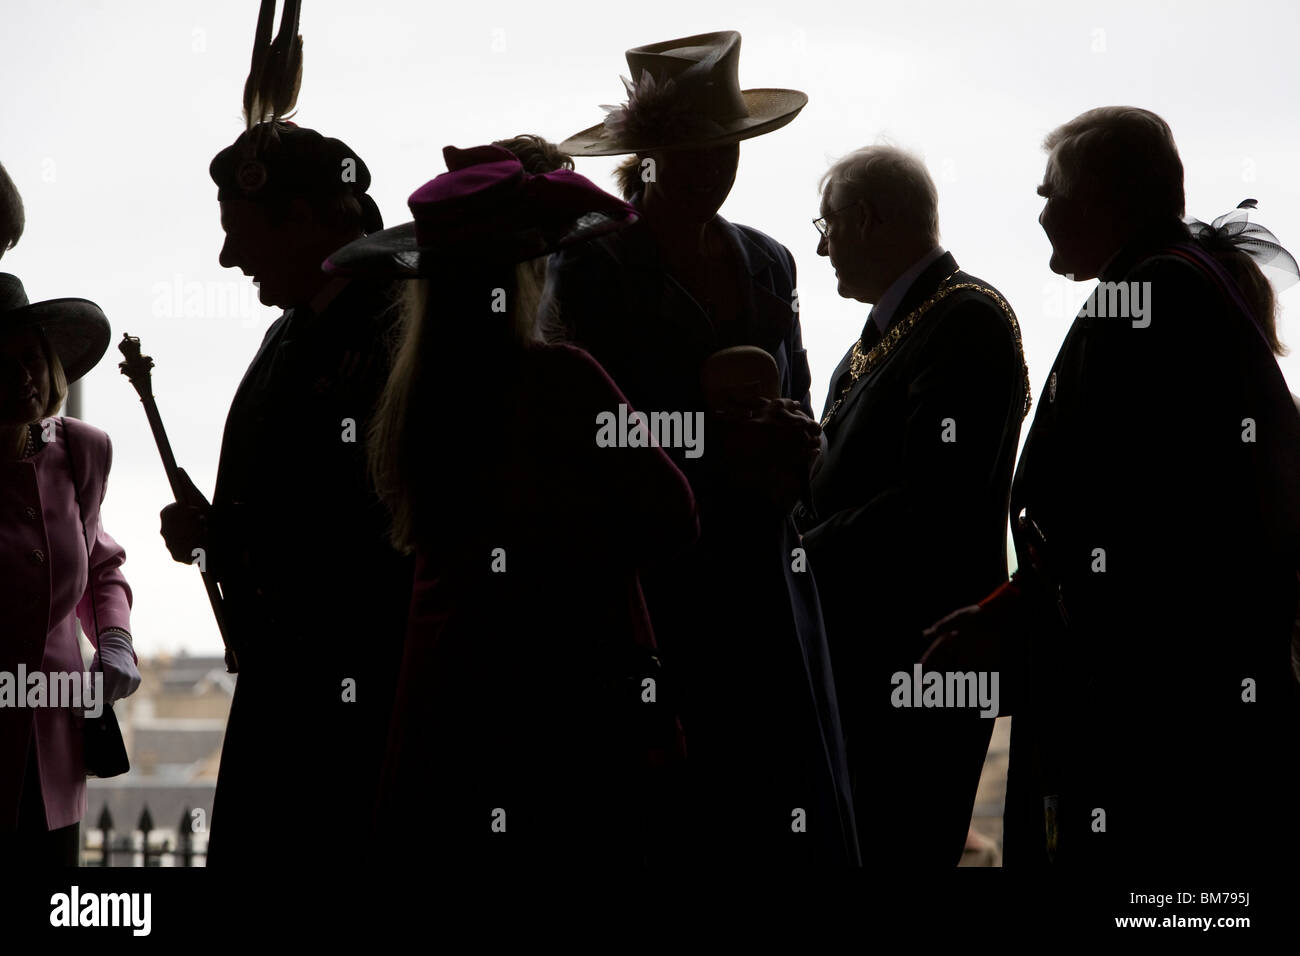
[(861, 363)]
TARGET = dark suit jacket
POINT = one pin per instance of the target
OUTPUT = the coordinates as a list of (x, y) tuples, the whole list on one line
[(314, 593), (734, 614), (905, 527), (1139, 456)]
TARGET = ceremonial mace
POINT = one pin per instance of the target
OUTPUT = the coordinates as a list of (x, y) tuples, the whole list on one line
[(137, 368)]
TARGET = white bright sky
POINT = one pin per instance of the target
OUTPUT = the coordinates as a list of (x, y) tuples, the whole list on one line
[(111, 111)]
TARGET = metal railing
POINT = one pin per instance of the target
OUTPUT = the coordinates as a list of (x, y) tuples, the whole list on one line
[(138, 844)]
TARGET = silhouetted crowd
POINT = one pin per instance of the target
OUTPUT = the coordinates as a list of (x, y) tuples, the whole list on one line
[(531, 549)]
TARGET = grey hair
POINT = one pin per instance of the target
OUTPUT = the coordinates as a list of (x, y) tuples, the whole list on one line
[(1125, 154), (894, 181)]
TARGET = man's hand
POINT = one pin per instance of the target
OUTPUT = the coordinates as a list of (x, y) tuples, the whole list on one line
[(965, 640), (185, 523), (773, 446), (790, 426)]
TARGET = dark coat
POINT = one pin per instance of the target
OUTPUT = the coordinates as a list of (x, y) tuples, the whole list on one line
[(314, 594), (1134, 703), (522, 689), (740, 627), (904, 528)]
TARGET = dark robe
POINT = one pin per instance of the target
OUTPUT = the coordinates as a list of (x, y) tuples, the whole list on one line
[(738, 618), (904, 527), (1170, 451), (315, 597)]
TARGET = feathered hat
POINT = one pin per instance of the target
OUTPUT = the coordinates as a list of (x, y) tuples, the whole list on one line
[(273, 157), (685, 94)]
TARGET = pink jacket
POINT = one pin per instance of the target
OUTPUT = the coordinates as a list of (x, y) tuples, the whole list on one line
[(43, 584)]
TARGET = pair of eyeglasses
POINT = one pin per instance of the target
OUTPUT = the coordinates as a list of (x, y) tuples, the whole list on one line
[(822, 223)]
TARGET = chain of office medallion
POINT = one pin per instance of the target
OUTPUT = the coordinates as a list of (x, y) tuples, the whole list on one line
[(861, 363)]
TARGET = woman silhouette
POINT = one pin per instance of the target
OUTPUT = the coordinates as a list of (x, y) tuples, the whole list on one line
[(528, 723), (57, 566)]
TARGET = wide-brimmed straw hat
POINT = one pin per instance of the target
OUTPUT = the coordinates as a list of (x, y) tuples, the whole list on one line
[(685, 94), (77, 329), (485, 208)]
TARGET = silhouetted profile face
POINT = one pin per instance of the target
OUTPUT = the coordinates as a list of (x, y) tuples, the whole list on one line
[(281, 255), (1080, 226), (850, 242), (24, 379), (695, 182)]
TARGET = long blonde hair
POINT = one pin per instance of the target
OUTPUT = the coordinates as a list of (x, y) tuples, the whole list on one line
[(448, 341), (56, 374)]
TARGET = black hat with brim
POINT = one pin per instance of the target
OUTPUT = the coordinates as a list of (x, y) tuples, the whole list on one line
[(77, 329)]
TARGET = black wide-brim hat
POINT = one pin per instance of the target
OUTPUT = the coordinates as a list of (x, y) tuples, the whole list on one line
[(485, 208), (77, 329), (685, 94)]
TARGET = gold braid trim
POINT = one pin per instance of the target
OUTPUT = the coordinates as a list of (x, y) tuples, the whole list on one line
[(862, 363)]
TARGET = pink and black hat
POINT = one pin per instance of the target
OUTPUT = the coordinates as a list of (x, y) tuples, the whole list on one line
[(486, 208)]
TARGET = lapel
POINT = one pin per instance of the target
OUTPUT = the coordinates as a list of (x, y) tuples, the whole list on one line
[(634, 250), (766, 318), (835, 378), (1062, 390), (924, 287), (1060, 387)]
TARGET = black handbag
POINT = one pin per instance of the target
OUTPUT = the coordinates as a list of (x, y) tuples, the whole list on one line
[(105, 751)]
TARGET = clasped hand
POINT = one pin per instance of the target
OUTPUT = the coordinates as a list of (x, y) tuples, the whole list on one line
[(770, 446)]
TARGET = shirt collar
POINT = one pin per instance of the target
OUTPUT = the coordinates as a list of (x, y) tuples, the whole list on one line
[(884, 311)]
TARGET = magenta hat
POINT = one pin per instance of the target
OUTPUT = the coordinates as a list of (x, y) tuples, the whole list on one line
[(485, 207)]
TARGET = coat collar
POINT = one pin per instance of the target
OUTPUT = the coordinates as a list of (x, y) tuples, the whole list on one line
[(641, 249), (766, 318), (328, 293), (1142, 245), (348, 308), (754, 257), (926, 284), (885, 311)]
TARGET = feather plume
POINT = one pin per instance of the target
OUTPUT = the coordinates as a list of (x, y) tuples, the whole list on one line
[(656, 112), (275, 75), (261, 52)]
